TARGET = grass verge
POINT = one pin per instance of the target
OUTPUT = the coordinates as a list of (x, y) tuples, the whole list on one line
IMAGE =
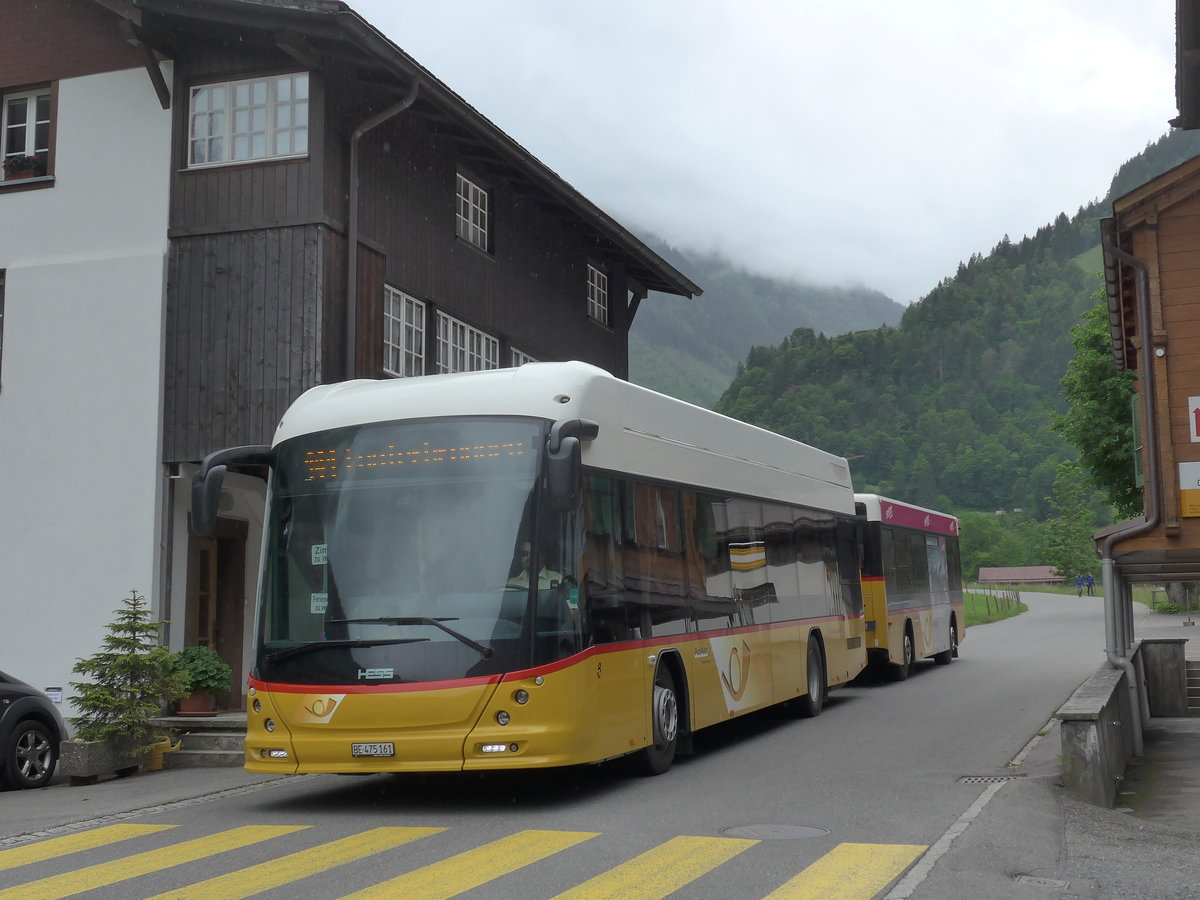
[(983, 608)]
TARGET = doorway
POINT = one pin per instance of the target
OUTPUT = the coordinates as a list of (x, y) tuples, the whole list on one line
[(216, 603)]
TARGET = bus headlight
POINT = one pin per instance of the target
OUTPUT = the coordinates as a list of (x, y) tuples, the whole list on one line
[(503, 717), (521, 696), (269, 724)]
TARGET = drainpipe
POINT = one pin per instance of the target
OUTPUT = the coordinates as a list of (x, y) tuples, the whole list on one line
[(352, 227), (1116, 628)]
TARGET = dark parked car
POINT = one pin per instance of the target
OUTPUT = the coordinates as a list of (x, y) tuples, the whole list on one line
[(30, 729)]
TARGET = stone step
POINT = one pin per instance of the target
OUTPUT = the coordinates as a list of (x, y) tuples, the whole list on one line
[(202, 759), (205, 741), (213, 740)]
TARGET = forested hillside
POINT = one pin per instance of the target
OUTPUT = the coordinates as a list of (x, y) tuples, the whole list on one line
[(691, 348), (952, 407)]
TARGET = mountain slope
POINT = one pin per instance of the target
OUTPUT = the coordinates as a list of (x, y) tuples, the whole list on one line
[(952, 407), (691, 348)]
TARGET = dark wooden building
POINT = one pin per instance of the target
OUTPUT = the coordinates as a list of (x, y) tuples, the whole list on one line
[(301, 131)]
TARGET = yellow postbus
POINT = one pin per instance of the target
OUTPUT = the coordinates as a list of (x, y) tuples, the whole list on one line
[(912, 584), (541, 566)]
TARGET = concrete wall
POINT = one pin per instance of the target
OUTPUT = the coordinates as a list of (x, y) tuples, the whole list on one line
[(1166, 676), (1097, 722)]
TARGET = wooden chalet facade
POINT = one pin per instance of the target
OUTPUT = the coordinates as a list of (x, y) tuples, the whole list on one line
[(258, 287), (1152, 273), (213, 271)]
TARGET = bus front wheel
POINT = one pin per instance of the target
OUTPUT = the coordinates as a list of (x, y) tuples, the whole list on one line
[(664, 713)]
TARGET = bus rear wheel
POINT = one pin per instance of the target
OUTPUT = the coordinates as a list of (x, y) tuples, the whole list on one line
[(664, 714), (811, 704), (947, 656), (899, 671)]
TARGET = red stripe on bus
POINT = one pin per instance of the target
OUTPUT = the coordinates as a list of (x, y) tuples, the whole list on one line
[(559, 665)]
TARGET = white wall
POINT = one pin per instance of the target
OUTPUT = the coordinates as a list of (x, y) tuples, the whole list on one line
[(80, 377)]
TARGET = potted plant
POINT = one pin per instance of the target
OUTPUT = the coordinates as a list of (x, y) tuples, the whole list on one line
[(131, 679), (22, 166), (203, 673)]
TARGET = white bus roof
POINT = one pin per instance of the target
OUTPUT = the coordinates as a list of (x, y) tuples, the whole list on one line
[(641, 432), (897, 512)]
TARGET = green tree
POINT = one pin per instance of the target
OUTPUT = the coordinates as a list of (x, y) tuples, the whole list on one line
[(1068, 543), (1098, 421)]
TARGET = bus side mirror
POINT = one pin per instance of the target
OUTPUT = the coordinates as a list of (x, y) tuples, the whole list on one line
[(562, 475), (206, 497), (563, 461), (207, 482)]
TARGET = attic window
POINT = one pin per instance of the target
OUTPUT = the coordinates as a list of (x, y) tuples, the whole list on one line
[(472, 212), (253, 119), (597, 295)]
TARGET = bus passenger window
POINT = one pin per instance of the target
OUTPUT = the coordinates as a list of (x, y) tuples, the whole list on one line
[(602, 588)]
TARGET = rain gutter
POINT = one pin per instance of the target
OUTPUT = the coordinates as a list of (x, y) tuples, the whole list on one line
[(1116, 625), (352, 227)]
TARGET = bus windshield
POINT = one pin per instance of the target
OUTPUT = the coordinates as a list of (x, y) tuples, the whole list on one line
[(401, 552)]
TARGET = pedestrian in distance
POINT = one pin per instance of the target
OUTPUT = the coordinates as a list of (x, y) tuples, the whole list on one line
[(1091, 584), (1079, 585)]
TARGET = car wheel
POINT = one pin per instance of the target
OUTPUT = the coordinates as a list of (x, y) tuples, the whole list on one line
[(30, 755)]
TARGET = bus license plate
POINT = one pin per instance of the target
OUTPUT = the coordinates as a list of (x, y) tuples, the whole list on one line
[(377, 749)]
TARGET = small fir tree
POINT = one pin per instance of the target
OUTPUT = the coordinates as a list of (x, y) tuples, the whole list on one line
[(131, 679)]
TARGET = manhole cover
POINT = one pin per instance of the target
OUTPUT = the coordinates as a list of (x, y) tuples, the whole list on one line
[(774, 832), (986, 779), (1038, 881)]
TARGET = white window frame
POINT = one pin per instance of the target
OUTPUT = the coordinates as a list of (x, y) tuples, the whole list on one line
[(403, 334), (518, 358), (461, 348), (249, 120), (471, 212), (26, 144), (597, 294)]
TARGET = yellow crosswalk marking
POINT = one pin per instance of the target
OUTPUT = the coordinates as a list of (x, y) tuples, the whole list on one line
[(468, 870), (264, 876), (660, 871), (53, 848), (104, 874), (849, 872)]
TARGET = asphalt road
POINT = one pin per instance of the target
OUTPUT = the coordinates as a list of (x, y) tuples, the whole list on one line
[(765, 803)]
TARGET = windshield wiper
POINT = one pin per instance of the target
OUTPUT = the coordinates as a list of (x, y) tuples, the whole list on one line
[(289, 652), (483, 651)]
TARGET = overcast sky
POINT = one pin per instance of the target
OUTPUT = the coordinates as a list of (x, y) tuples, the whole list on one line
[(872, 142)]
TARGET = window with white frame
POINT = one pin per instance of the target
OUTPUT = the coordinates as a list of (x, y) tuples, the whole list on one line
[(472, 212), (26, 126), (403, 334), (597, 294), (518, 358), (461, 348), (240, 121)]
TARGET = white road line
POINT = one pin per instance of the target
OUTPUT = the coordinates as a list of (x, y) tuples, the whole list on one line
[(918, 873)]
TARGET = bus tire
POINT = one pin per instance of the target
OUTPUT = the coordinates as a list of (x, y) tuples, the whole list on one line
[(900, 671), (810, 705), (664, 716), (947, 656)]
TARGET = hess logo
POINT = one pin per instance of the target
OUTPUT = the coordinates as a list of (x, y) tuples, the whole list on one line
[(375, 674)]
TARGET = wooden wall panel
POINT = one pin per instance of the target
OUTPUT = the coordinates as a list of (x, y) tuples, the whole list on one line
[(243, 336)]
